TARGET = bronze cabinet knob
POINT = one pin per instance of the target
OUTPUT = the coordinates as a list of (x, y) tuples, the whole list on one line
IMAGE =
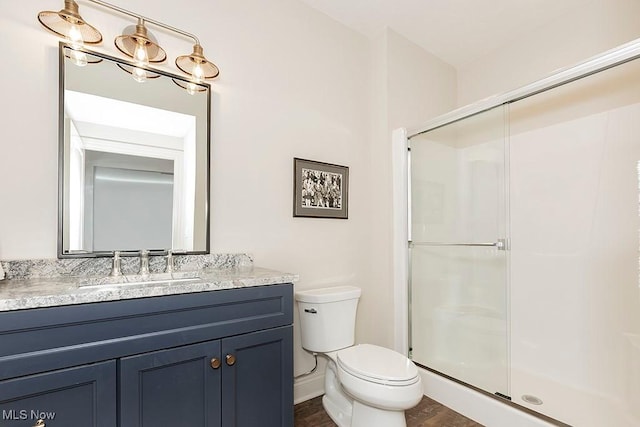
[(231, 359), (40, 423), (215, 363)]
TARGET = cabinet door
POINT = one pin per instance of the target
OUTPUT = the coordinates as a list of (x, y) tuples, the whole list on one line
[(175, 387), (257, 384), (80, 396)]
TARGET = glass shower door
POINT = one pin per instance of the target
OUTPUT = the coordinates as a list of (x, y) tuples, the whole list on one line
[(458, 251)]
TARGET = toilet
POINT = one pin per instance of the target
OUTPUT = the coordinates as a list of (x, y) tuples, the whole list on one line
[(365, 385)]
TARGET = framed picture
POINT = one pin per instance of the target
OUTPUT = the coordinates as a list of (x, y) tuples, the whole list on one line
[(320, 190)]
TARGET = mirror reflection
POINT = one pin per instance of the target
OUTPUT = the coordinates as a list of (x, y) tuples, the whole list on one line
[(134, 158)]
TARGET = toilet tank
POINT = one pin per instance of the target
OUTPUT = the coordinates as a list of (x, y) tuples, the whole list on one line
[(328, 317)]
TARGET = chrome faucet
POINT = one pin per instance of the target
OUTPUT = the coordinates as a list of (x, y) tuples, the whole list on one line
[(144, 262), (169, 268), (115, 266)]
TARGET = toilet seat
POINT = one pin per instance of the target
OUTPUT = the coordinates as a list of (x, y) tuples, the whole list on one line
[(378, 365)]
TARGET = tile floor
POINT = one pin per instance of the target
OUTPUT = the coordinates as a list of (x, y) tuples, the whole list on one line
[(428, 413)]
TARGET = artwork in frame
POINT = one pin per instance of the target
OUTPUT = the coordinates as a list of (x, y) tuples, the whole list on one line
[(320, 190)]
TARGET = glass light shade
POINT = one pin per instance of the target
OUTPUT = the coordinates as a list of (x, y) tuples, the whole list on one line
[(132, 69), (79, 57), (191, 88), (137, 37), (68, 23), (196, 65)]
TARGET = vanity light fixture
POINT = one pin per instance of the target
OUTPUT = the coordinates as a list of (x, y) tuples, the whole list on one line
[(197, 65), (139, 44), (136, 42), (68, 23)]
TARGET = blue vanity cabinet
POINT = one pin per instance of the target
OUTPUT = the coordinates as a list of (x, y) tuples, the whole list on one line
[(240, 381), (218, 358), (79, 396)]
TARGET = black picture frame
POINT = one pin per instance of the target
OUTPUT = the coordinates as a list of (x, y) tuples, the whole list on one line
[(320, 190)]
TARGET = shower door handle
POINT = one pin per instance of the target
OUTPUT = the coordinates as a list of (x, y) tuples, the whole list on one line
[(501, 244)]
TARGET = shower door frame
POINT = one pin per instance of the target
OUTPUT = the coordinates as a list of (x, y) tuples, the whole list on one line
[(401, 173)]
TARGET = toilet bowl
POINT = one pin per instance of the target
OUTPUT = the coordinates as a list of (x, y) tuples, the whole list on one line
[(380, 377), (365, 385)]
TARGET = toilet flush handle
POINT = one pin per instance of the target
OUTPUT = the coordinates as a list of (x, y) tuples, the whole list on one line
[(310, 310)]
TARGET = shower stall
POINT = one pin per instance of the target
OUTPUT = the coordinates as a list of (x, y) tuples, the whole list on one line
[(524, 243)]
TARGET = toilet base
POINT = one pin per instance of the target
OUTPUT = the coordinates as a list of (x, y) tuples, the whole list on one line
[(338, 405), (368, 416), (339, 414)]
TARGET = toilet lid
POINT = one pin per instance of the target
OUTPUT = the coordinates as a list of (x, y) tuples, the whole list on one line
[(377, 364)]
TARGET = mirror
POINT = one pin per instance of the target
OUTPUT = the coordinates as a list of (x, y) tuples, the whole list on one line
[(134, 158)]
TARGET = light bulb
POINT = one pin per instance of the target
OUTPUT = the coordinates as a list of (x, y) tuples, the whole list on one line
[(198, 73), (141, 58), (139, 75), (75, 36), (140, 55), (78, 58), (192, 89)]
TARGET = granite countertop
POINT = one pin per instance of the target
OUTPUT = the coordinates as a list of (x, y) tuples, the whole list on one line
[(20, 294)]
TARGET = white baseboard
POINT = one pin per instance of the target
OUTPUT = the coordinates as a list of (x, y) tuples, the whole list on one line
[(472, 404), (307, 388)]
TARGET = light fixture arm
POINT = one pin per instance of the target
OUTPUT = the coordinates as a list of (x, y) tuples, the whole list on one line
[(145, 19)]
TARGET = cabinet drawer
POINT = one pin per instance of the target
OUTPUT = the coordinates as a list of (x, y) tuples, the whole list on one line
[(45, 339)]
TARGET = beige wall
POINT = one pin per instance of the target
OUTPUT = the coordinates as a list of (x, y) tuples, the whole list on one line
[(293, 83), (421, 86), (564, 41), (410, 86)]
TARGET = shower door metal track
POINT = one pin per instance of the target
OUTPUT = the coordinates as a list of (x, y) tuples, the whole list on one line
[(611, 58)]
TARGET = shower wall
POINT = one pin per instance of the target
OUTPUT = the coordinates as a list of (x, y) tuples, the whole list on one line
[(570, 203), (575, 295)]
